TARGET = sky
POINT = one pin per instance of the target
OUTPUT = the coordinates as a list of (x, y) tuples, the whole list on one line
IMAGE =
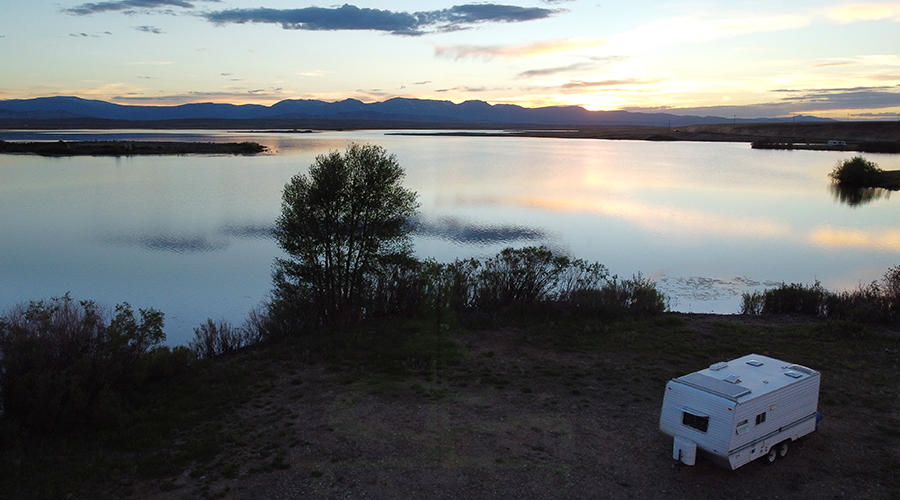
[(726, 58)]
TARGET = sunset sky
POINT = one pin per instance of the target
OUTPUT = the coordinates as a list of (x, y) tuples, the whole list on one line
[(727, 58)]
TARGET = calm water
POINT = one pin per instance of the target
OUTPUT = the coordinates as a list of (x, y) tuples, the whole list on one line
[(189, 235)]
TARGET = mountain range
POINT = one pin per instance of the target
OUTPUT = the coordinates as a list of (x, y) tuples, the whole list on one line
[(47, 111)]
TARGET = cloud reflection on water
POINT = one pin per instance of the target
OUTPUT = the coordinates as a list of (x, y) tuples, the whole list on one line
[(468, 233), (446, 228), (670, 220), (868, 239), (184, 243)]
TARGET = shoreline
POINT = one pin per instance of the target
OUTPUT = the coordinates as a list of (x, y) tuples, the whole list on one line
[(129, 148)]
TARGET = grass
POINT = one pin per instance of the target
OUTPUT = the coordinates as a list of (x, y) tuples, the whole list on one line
[(198, 431)]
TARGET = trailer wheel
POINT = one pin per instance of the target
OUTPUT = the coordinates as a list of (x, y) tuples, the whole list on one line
[(771, 456), (782, 449)]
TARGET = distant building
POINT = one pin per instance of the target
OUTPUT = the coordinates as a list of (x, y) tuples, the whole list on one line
[(837, 143)]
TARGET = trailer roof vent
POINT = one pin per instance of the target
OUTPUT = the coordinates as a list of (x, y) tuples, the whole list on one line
[(801, 369), (793, 374), (718, 366), (754, 362), (732, 379)]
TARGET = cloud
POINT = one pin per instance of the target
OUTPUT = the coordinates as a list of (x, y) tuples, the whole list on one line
[(465, 89), (580, 85), (515, 51), (877, 115), (86, 35), (130, 5), (789, 102), (148, 63), (351, 17), (850, 98), (857, 12), (661, 32), (248, 96), (149, 29), (553, 71)]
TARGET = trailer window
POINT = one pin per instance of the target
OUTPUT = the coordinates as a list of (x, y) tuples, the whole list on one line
[(761, 418), (742, 427), (695, 421)]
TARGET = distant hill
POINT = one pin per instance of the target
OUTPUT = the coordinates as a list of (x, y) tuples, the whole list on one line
[(67, 112)]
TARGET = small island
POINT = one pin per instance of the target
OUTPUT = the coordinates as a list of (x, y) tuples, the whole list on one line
[(858, 172), (129, 148)]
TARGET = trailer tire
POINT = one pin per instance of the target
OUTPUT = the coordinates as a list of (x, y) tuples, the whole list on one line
[(782, 449), (771, 456)]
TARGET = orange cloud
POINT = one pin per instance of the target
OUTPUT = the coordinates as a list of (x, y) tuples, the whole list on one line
[(852, 13), (516, 51)]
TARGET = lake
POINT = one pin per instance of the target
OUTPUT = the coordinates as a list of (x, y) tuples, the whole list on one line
[(189, 235)]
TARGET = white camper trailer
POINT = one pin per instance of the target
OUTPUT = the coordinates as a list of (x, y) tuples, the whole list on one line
[(736, 411)]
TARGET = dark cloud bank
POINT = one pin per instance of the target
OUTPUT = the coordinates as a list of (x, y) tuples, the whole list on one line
[(350, 17), (345, 17), (130, 5)]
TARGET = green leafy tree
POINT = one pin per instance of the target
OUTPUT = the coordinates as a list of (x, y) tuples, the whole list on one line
[(339, 225)]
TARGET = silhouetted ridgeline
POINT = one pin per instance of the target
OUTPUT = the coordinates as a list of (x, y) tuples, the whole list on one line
[(73, 112)]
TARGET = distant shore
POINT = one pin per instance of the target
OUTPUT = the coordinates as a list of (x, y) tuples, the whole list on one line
[(868, 136), (872, 137), (129, 148)]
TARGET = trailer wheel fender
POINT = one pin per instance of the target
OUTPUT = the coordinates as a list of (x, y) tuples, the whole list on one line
[(782, 449)]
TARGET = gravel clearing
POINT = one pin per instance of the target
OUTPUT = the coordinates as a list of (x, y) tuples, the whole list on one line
[(518, 419)]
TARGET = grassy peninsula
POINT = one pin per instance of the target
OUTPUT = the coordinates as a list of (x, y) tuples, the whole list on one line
[(858, 136), (858, 172), (129, 148)]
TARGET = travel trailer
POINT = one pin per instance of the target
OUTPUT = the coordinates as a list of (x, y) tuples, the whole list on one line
[(740, 410)]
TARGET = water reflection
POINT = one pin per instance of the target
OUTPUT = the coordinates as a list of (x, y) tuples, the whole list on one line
[(191, 243), (467, 233), (855, 196), (191, 236)]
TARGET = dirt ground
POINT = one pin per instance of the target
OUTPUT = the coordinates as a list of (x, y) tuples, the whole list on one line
[(518, 420)]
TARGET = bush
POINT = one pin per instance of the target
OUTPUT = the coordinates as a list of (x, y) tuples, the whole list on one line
[(395, 287), (530, 277), (787, 299), (856, 171), (863, 305), (523, 276), (65, 364), (872, 303), (891, 291), (615, 298), (213, 339), (535, 276)]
